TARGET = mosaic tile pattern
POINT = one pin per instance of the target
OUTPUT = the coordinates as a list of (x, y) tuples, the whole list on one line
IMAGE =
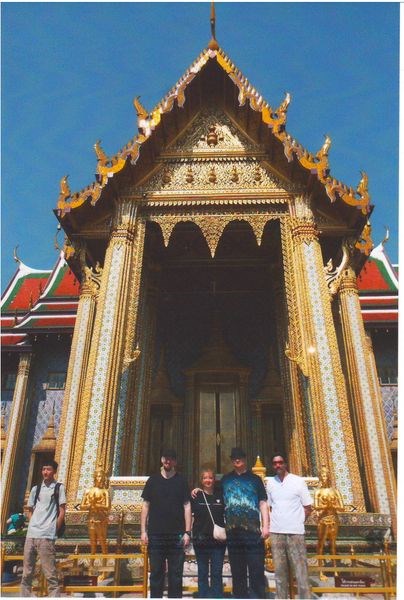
[(366, 394), (6, 403), (53, 402), (100, 375), (307, 401), (81, 336), (128, 494), (390, 403), (330, 398)]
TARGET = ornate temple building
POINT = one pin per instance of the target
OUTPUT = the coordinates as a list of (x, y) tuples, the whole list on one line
[(217, 287)]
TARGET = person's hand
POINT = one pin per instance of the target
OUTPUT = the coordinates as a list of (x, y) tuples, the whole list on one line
[(186, 540), (265, 533), (195, 491), (144, 538)]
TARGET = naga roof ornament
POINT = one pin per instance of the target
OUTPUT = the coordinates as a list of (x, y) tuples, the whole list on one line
[(365, 242), (275, 119)]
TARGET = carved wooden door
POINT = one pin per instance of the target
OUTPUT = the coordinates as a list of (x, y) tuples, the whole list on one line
[(217, 427)]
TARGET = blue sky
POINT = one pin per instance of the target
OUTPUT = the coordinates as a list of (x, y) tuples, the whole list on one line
[(70, 72)]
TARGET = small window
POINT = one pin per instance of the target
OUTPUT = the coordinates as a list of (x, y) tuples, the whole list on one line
[(56, 381), (8, 381)]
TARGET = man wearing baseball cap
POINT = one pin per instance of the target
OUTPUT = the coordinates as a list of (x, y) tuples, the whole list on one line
[(165, 525), (246, 513)]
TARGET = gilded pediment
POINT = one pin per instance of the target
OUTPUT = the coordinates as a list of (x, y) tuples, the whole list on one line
[(215, 176), (214, 156), (212, 131)]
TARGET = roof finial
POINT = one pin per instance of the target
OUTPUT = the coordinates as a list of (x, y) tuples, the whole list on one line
[(15, 255), (56, 243), (387, 236), (213, 45)]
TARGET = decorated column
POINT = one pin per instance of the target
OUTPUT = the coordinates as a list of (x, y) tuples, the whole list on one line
[(326, 400), (286, 302), (366, 399), (15, 432), (77, 369), (96, 424), (137, 373)]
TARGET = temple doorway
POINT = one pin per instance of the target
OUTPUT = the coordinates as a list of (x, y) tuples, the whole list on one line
[(217, 379)]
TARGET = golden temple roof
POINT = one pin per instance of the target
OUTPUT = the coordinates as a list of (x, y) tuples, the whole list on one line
[(274, 119)]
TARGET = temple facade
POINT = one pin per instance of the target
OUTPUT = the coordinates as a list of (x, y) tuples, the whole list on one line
[(217, 287)]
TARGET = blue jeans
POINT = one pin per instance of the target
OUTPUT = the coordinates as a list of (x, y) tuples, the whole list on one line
[(164, 548), (212, 554), (246, 551)]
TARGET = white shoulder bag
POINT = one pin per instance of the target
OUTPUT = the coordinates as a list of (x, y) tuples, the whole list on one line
[(219, 533)]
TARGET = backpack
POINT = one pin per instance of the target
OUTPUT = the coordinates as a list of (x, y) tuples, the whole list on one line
[(60, 532)]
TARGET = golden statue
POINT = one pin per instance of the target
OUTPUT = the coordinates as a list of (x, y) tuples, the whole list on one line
[(98, 503), (327, 503)]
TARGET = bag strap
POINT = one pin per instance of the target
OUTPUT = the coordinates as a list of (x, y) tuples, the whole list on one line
[(37, 492), (56, 496), (208, 507)]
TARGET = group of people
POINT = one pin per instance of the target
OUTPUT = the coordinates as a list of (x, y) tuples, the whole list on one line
[(239, 506), (172, 517)]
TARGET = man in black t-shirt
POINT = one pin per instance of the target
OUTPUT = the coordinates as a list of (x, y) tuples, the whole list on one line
[(165, 525)]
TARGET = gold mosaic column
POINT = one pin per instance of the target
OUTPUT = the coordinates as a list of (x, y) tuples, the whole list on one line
[(96, 422), (128, 240), (326, 402), (129, 418), (15, 432), (286, 311), (366, 400), (76, 372)]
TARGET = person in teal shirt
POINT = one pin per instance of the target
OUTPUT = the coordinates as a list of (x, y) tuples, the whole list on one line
[(247, 525)]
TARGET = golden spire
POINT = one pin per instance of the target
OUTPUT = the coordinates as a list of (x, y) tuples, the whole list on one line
[(213, 45), (259, 468)]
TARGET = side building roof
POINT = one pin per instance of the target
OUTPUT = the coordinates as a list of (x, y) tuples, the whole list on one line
[(378, 288), (38, 301)]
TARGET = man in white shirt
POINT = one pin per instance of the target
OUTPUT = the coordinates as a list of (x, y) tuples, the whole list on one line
[(290, 503), (44, 522)]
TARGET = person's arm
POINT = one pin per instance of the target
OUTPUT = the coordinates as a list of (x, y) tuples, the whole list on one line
[(264, 519), (306, 500), (186, 538), (31, 502), (144, 515), (61, 516), (195, 491)]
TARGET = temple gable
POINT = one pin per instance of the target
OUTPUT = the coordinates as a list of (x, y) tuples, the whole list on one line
[(214, 155)]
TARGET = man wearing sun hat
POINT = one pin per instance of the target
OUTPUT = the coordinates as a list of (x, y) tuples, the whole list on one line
[(246, 513)]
